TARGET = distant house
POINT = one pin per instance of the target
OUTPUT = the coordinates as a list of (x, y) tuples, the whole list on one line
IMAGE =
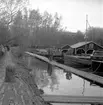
[(86, 47), (65, 48)]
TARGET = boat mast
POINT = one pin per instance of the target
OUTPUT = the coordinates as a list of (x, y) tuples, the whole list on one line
[(86, 28), (86, 33), (87, 25)]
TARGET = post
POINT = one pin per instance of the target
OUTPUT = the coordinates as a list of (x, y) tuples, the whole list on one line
[(86, 34), (50, 54)]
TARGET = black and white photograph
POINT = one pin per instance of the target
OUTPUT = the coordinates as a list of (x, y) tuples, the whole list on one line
[(51, 52)]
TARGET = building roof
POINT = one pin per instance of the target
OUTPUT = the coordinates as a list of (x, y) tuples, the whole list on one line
[(79, 44), (66, 46), (82, 44)]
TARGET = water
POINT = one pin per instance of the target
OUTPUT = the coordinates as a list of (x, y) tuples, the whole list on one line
[(57, 84), (76, 86)]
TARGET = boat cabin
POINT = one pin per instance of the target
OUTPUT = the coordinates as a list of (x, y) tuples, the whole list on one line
[(84, 48)]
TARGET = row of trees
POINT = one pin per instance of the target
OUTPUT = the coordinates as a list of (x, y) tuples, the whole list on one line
[(30, 27)]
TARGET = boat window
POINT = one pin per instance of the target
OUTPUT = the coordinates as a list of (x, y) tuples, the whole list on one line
[(80, 51)]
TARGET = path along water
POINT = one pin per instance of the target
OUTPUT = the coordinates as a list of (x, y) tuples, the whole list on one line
[(17, 85)]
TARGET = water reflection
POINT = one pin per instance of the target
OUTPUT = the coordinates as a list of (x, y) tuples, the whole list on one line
[(59, 82), (68, 75)]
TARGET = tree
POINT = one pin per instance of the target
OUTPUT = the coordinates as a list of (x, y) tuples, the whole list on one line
[(20, 31), (35, 18), (18, 19), (79, 37), (37, 28), (95, 34), (57, 21), (10, 8), (4, 33), (47, 20)]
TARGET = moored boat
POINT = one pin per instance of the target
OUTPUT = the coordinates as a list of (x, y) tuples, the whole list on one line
[(97, 62), (78, 55), (77, 61)]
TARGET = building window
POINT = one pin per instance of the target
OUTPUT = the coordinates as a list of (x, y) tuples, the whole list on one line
[(89, 51), (80, 51)]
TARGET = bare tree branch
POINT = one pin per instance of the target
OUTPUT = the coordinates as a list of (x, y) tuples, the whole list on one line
[(9, 8)]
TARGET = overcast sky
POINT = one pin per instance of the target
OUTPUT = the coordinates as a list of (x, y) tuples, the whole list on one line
[(73, 12)]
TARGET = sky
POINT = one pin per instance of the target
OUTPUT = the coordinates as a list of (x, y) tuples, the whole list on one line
[(73, 12)]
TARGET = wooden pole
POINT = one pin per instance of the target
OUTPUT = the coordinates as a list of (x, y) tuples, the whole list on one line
[(86, 34)]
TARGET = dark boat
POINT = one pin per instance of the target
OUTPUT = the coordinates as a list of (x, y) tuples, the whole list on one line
[(78, 55), (78, 61), (97, 62), (97, 67)]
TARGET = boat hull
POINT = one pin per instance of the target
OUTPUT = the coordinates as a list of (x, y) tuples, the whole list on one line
[(76, 61), (97, 67)]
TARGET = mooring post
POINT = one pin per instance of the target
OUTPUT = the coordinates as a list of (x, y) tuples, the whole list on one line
[(50, 54)]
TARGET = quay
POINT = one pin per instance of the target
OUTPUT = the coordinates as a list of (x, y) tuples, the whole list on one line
[(73, 99), (86, 75)]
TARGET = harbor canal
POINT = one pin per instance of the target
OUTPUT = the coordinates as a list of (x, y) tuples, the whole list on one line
[(59, 83)]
